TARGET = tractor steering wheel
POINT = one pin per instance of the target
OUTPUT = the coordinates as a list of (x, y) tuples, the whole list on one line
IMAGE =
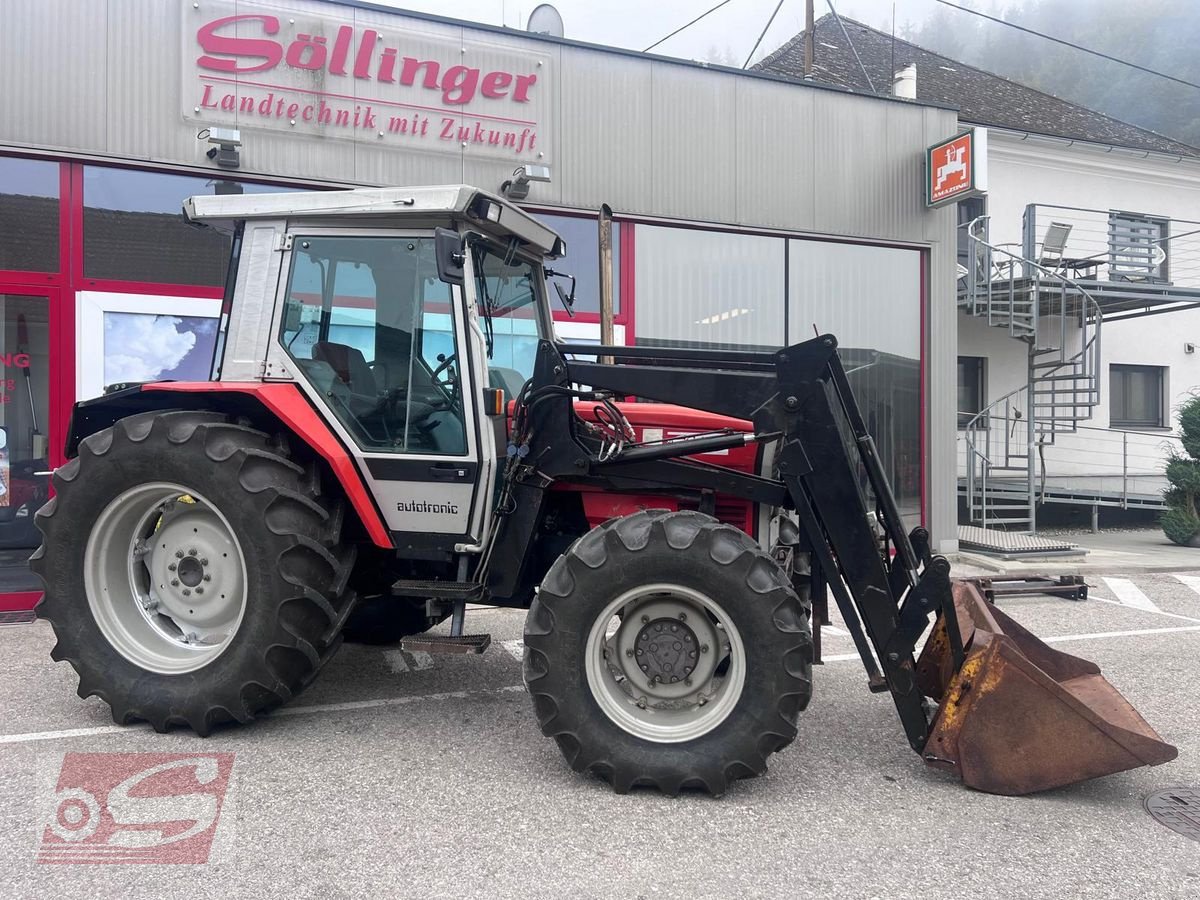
[(444, 363)]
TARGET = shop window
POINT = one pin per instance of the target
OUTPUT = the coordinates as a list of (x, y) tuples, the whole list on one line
[(134, 230), (582, 236), (24, 380), (869, 298), (709, 289), (28, 214), (971, 389), (1136, 396)]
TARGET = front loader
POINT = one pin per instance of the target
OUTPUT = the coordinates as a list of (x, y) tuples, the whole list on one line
[(392, 433)]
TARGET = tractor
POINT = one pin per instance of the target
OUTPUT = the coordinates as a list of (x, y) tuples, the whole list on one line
[(393, 435)]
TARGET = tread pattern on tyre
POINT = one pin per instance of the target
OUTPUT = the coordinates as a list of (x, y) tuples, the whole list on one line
[(303, 565), (583, 578)]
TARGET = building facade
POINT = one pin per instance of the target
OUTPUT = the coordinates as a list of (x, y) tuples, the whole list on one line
[(748, 209), (1078, 288)]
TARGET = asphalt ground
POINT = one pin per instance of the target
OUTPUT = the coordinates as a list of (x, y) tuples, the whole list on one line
[(403, 776)]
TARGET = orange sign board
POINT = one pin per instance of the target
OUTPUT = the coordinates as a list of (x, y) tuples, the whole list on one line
[(954, 168)]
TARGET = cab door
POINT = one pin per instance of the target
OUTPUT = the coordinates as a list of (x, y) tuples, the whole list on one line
[(386, 347)]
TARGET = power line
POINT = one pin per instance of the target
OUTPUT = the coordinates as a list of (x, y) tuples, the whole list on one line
[(763, 34), (1047, 37), (846, 35), (688, 25)]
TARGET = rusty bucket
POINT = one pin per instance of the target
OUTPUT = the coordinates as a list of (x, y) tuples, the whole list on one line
[(1019, 717)]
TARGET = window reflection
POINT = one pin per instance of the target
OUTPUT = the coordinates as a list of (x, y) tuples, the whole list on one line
[(28, 214), (582, 236)]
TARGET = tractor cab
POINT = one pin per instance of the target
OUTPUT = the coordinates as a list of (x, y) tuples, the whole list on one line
[(401, 312)]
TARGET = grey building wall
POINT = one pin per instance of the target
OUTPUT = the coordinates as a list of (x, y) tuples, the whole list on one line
[(651, 137)]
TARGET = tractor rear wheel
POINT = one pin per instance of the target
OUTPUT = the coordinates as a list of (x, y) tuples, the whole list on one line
[(194, 572), (669, 650)]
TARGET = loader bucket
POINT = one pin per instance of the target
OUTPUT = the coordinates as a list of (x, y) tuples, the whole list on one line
[(1018, 716)]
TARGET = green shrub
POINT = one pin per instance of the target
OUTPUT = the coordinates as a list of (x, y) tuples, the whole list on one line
[(1181, 521)]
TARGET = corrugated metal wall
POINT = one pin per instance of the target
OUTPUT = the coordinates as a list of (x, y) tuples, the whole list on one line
[(650, 137)]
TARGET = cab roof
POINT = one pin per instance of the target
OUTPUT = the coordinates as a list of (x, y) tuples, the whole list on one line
[(484, 211)]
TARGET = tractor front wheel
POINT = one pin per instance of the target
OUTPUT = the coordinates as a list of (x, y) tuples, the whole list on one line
[(194, 571), (667, 649)]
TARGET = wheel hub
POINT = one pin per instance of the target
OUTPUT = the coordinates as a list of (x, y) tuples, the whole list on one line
[(667, 651)]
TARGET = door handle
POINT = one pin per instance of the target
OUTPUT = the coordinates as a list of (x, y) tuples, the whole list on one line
[(448, 473)]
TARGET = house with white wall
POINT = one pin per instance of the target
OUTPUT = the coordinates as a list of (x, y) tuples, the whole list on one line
[(1079, 287)]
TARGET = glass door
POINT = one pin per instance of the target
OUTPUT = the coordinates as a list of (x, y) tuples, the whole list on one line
[(25, 427)]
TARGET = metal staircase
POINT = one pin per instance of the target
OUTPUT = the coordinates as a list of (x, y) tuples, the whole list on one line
[(1060, 322)]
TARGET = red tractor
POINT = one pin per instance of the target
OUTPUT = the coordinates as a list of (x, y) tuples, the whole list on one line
[(392, 427)]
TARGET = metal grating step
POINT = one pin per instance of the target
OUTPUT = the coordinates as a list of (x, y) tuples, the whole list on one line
[(1007, 544)]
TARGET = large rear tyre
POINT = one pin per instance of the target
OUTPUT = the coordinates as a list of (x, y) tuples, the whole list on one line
[(667, 649), (194, 572)]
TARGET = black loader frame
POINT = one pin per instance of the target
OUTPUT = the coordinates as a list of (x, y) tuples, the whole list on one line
[(798, 396)]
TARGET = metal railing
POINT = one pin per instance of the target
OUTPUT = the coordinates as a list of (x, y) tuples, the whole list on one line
[(1060, 320), (1094, 466), (1129, 249)]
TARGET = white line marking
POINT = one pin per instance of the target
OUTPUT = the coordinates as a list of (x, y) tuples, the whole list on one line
[(1192, 581), (395, 660), (516, 649), (1157, 611), (1130, 595), (142, 728), (421, 660), (834, 630)]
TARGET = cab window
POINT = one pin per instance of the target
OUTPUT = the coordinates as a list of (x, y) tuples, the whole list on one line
[(372, 328), (506, 291)]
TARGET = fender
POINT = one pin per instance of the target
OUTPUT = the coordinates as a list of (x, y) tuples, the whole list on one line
[(283, 401)]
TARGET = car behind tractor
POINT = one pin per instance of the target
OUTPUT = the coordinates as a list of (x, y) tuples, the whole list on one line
[(391, 427)]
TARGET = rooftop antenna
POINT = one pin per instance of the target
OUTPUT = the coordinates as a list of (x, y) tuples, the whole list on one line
[(545, 20)]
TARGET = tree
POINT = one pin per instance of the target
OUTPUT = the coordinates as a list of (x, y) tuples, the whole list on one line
[(1181, 521)]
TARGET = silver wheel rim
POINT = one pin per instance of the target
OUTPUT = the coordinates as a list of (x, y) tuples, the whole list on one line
[(665, 695), (165, 578)]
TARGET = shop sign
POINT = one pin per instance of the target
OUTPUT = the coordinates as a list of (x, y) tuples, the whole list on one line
[(397, 85), (956, 169)]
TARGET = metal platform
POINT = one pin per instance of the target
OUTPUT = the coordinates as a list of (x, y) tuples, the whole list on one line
[(1010, 545)]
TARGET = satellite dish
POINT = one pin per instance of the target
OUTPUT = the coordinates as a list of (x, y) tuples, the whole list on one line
[(545, 20)]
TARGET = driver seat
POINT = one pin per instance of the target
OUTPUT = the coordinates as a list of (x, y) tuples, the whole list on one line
[(351, 369)]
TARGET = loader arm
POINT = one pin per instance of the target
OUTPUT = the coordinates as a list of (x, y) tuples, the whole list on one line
[(829, 473)]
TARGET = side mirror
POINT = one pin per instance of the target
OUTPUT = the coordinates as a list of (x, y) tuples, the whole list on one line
[(448, 248)]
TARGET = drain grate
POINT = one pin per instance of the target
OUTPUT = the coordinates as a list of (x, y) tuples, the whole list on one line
[(17, 617), (1178, 809)]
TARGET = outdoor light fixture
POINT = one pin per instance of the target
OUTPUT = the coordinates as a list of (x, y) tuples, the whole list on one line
[(517, 188), (225, 143)]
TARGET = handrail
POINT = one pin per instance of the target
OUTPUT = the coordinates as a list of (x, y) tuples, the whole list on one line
[(1059, 392)]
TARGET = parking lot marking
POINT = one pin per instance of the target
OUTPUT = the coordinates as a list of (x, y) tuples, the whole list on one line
[(1157, 612), (142, 728), (1192, 581), (421, 660), (1130, 594), (516, 649), (834, 630)]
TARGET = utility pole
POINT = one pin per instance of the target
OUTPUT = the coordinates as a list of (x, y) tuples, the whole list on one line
[(808, 38)]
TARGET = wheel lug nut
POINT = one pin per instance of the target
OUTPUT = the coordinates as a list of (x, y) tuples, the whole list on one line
[(687, 682), (674, 678), (171, 567), (208, 577), (683, 617), (629, 652), (641, 652), (674, 627), (199, 590), (645, 620), (644, 667), (187, 592), (191, 551), (204, 561), (704, 648), (174, 582), (179, 554)]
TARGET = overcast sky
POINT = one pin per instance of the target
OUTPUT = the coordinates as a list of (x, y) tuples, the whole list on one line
[(728, 33)]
